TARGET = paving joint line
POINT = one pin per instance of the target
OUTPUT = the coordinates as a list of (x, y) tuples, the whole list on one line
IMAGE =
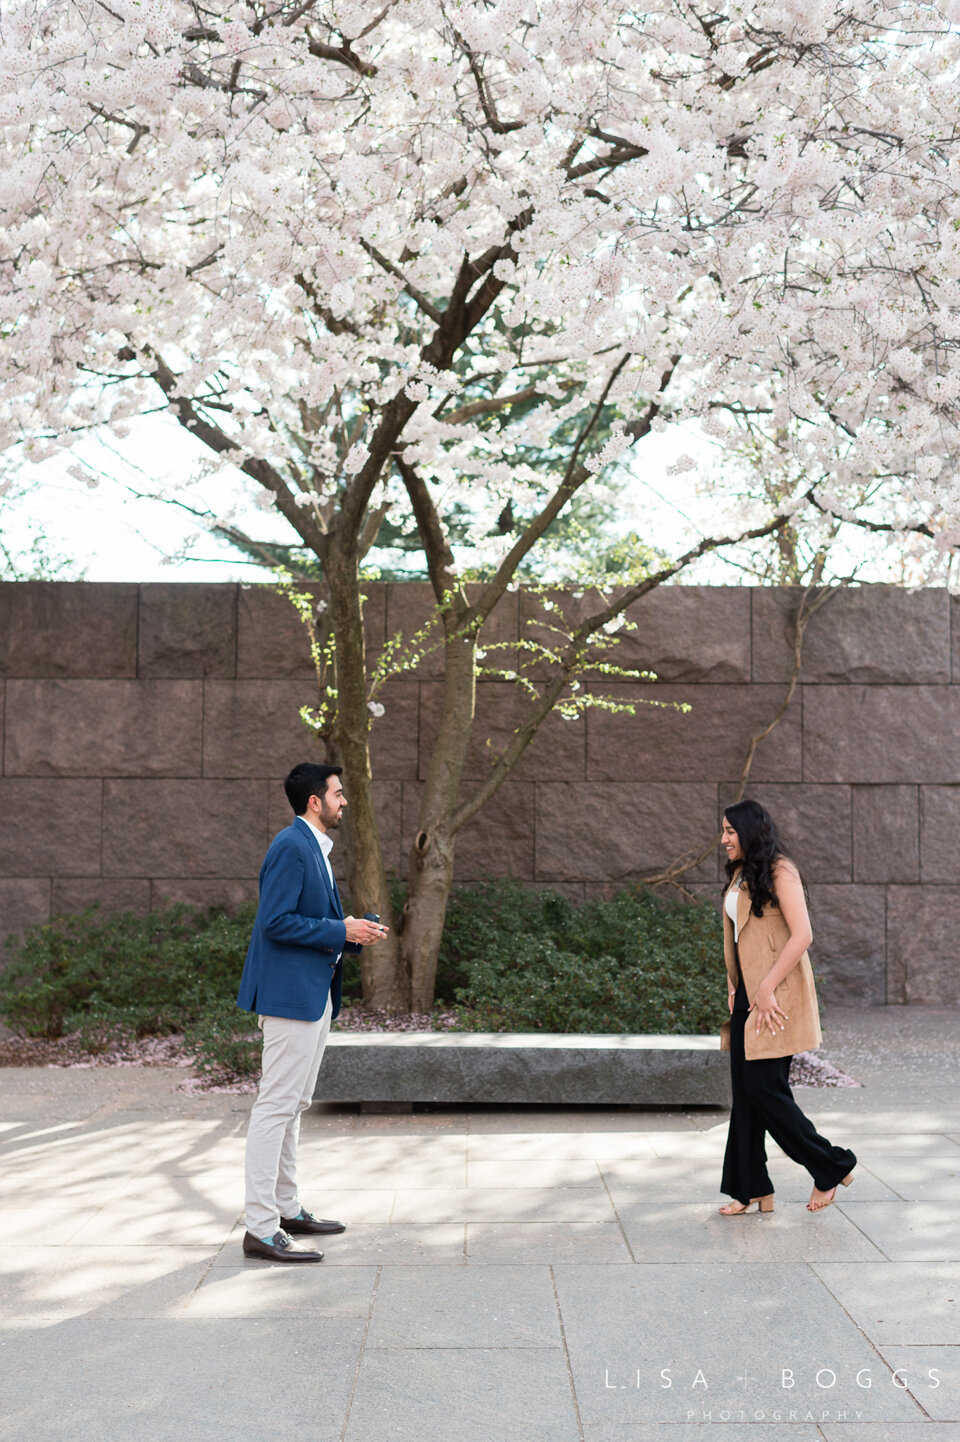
[(360, 1351), (874, 1347), (616, 1213), (566, 1355)]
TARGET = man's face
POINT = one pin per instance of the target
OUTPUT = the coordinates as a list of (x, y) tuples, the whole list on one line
[(331, 804)]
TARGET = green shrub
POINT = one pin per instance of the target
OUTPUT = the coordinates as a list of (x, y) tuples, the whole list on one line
[(531, 961), (512, 958), (224, 1040), (105, 978)]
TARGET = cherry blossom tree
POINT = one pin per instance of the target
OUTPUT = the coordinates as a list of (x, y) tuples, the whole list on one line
[(449, 257)]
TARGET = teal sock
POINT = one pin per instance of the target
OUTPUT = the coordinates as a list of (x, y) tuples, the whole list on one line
[(268, 1240)]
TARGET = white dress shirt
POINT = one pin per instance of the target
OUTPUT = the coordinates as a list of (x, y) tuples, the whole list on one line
[(326, 846)]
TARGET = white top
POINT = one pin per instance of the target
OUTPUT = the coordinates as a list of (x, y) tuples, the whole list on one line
[(326, 846), (730, 905)]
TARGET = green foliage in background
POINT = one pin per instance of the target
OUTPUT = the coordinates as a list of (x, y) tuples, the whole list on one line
[(519, 960), (107, 978), (512, 960)]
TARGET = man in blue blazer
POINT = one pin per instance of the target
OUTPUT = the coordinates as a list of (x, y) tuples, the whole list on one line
[(291, 979)]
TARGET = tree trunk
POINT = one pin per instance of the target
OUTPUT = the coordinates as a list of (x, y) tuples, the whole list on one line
[(431, 863), (385, 985)]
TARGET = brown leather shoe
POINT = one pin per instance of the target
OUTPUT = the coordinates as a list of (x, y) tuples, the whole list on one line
[(280, 1249), (307, 1224)]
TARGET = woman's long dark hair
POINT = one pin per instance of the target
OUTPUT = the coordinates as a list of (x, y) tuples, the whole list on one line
[(761, 847)]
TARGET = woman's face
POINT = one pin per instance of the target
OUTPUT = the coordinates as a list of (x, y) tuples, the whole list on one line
[(730, 842)]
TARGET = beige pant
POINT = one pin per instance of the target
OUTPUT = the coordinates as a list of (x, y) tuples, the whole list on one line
[(292, 1053)]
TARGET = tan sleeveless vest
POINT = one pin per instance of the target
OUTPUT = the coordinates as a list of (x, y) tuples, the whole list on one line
[(762, 938)]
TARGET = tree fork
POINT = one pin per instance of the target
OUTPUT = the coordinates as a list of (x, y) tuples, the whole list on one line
[(431, 863), (383, 980)]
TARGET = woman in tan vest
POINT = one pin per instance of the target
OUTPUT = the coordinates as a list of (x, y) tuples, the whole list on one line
[(773, 1014)]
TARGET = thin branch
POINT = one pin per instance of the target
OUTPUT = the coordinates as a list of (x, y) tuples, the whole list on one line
[(415, 294), (919, 528), (490, 404), (573, 660), (498, 126), (323, 312), (440, 560), (138, 129), (259, 469), (342, 55), (574, 477)]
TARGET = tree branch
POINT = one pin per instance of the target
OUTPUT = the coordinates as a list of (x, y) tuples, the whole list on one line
[(574, 477), (342, 55), (440, 561), (919, 528), (423, 301), (573, 659), (323, 312), (492, 403), (259, 469)]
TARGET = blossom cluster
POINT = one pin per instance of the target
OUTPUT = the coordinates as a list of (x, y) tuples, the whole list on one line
[(267, 219)]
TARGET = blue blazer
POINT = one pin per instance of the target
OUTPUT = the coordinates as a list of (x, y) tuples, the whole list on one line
[(293, 960)]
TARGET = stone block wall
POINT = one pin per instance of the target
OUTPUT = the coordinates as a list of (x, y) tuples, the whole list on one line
[(145, 730)]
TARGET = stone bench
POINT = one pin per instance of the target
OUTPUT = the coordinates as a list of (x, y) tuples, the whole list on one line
[(438, 1066)]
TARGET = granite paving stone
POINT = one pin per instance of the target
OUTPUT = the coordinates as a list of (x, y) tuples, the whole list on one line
[(925, 1144), (861, 1114), (917, 1179), (702, 1148), (890, 1432), (658, 1233), (494, 1204), (574, 1172), (549, 1146), (346, 1204), (190, 1224), (245, 1290), (529, 1243), (103, 1380), (883, 1297), (49, 1219), (430, 1395), (931, 1376), (909, 1231), (553, 1122), (43, 1282), (672, 1179), (477, 1294), (722, 1336), (492, 1307)]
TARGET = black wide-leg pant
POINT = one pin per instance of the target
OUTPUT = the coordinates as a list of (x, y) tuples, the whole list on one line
[(763, 1102)]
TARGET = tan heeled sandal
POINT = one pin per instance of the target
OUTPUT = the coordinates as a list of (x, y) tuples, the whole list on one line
[(844, 1182), (762, 1204)]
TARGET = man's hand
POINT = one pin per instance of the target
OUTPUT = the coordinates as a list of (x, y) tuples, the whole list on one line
[(362, 932)]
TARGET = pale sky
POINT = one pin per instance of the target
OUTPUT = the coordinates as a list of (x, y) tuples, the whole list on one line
[(112, 534)]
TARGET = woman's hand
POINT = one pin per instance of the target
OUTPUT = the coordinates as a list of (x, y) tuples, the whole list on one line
[(768, 1010), (731, 997)]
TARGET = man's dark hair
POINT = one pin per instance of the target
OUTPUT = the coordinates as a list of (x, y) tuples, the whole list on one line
[(306, 780)]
